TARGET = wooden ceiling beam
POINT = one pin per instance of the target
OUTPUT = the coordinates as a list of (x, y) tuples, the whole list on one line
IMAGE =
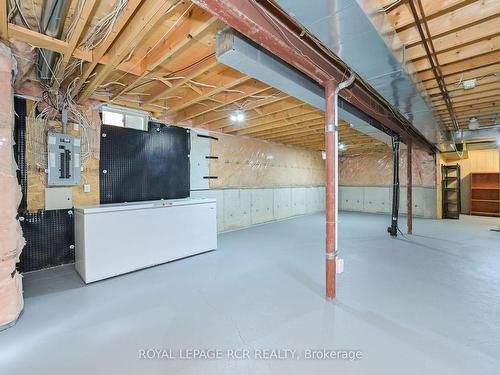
[(293, 128), (402, 19), (465, 120), (470, 96), (137, 104), (463, 53), (312, 134), (464, 65), (190, 74), (225, 83), (452, 79), (493, 100), (477, 110), (100, 51), (290, 127), (484, 92), (457, 87), (274, 120), (459, 39), (284, 121), (194, 23), (146, 18), (487, 121), (297, 128), (83, 18), (285, 103), (251, 89), (4, 20), (352, 139), (305, 142), (471, 13), (43, 41), (257, 106)]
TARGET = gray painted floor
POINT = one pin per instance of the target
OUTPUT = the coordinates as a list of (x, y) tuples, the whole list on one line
[(426, 305)]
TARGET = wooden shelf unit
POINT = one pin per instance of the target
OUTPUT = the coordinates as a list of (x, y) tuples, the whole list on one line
[(451, 191), (485, 194)]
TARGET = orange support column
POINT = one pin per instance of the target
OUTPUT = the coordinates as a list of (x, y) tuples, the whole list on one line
[(331, 138), (409, 185)]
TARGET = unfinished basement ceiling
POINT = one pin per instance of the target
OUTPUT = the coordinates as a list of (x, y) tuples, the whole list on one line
[(167, 65), (466, 39)]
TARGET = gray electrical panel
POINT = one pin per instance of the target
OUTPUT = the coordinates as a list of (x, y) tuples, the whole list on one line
[(63, 159)]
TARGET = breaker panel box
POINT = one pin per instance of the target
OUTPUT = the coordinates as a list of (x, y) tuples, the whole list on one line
[(63, 159)]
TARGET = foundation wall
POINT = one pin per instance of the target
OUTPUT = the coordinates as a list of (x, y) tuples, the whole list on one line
[(365, 183), (255, 181)]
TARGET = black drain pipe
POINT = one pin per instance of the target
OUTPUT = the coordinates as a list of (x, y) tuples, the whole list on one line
[(393, 229)]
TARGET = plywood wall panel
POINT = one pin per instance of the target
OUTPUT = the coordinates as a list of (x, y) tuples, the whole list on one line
[(375, 169), (37, 178), (478, 161), (249, 162)]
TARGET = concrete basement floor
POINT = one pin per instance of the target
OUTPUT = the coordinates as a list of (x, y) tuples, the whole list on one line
[(429, 304)]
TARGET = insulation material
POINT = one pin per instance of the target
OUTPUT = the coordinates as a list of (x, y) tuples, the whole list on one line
[(12, 241), (25, 55), (375, 169), (250, 162), (36, 160)]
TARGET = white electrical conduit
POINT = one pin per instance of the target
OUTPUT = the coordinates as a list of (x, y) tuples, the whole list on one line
[(340, 86)]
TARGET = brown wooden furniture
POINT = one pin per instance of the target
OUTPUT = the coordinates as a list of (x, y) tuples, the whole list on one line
[(485, 194), (451, 191)]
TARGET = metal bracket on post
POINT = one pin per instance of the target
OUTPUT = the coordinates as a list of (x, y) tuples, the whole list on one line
[(332, 256), (331, 128)]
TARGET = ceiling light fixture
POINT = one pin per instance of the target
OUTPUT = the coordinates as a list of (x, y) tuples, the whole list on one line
[(473, 123), (341, 146), (469, 84), (237, 116)]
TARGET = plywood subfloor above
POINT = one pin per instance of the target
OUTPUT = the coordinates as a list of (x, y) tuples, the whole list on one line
[(465, 35)]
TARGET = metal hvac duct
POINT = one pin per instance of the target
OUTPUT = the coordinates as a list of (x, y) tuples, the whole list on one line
[(486, 133), (482, 138), (54, 14), (240, 53), (362, 36)]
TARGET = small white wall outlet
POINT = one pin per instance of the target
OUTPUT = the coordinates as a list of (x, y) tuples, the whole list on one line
[(339, 263), (86, 188)]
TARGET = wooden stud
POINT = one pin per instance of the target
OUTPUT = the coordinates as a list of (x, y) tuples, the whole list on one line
[(83, 17), (146, 19), (4, 21), (194, 24)]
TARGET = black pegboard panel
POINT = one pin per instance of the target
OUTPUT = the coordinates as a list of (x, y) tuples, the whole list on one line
[(20, 146), (49, 234), (144, 165), (49, 239)]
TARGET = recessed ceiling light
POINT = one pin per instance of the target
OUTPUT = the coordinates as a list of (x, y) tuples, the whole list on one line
[(341, 146)]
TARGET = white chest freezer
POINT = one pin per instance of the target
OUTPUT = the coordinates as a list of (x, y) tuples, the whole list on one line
[(113, 239)]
